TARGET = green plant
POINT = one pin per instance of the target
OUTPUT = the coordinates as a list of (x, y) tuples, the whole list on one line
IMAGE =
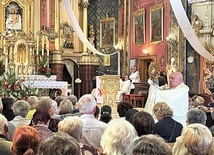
[(12, 85)]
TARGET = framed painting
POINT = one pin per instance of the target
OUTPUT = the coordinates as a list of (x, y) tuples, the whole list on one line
[(156, 23), (107, 32), (133, 62), (106, 60), (13, 16), (139, 27)]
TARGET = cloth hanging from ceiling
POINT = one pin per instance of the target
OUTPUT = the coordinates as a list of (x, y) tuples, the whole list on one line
[(79, 31), (187, 29), (196, 1)]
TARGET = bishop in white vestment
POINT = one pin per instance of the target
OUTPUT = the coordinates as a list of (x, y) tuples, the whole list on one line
[(176, 97)]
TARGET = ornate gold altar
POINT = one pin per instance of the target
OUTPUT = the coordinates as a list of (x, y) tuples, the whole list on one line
[(20, 53)]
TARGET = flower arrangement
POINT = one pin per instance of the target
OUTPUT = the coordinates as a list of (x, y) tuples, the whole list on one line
[(11, 85), (2, 68), (43, 69)]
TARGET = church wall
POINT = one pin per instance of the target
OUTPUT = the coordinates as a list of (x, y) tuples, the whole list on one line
[(98, 10), (155, 48)]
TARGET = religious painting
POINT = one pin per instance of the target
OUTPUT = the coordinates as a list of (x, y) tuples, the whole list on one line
[(13, 16), (133, 62), (156, 23), (107, 32), (106, 60), (139, 27)]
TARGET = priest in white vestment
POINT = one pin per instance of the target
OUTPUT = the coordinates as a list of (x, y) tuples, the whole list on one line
[(176, 97), (125, 89)]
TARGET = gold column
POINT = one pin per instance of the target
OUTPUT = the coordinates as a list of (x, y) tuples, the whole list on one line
[(125, 69), (57, 63), (85, 22), (56, 24)]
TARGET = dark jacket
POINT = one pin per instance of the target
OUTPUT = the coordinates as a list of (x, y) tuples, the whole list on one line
[(4, 145), (168, 128)]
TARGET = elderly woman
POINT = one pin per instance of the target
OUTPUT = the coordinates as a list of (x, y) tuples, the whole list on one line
[(26, 141), (123, 107), (166, 126), (143, 123), (65, 109), (197, 139), (20, 109), (33, 101), (40, 122), (73, 126), (151, 145), (46, 105), (199, 103), (194, 116), (59, 144), (73, 99), (118, 138)]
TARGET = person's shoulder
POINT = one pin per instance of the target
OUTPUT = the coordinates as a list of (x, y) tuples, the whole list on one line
[(88, 150), (211, 151)]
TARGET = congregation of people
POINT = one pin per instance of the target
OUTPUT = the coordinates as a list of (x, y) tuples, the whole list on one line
[(67, 125)]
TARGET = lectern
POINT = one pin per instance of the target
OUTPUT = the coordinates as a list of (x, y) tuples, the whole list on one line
[(109, 86)]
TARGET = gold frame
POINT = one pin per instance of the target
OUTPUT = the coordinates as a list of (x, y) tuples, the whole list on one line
[(107, 32), (156, 23), (139, 27), (26, 14), (107, 60)]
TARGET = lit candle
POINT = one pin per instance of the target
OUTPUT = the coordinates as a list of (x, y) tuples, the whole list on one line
[(37, 46), (0, 41), (5, 54), (47, 45), (47, 51), (118, 69), (43, 43)]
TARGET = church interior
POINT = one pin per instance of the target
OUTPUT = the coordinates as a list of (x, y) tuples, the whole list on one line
[(79, 40), (78, 52)]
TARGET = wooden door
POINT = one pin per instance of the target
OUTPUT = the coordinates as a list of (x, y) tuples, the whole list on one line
[(143, 66)]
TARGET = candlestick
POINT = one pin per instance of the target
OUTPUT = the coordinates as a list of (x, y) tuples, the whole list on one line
[(43, 43), (37, 45), (47, 46), (0, 42), (5, 54), (118, 69)]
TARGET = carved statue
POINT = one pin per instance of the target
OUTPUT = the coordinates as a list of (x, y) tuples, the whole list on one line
[(154, 71), (67, 35), (196, 24), (91, 34)]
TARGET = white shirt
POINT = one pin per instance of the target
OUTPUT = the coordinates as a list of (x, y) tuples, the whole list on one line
[(93, 129), (135, 77), (17, 121), (176, 98), (124, 90)]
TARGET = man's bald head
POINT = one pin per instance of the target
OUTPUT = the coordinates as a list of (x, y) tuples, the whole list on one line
[(175, 79)]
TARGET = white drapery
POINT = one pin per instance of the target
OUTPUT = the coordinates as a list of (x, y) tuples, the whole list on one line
[(70, 67), (187, 29), (78, 29), (196, 1)]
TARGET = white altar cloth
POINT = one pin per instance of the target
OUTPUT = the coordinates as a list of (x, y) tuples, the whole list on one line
[(63, 85), (38, 77)]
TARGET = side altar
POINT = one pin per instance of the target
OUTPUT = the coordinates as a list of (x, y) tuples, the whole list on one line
[(43, 82)]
